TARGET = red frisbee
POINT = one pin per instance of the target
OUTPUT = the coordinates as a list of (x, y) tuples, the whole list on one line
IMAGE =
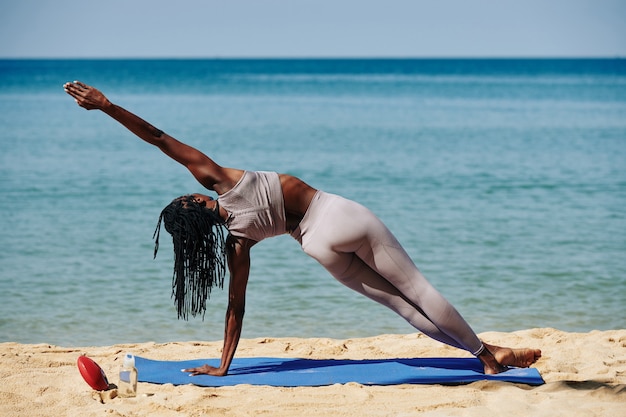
[(92, 373)]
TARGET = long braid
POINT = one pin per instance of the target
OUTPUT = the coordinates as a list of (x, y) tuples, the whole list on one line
[(198, 235)]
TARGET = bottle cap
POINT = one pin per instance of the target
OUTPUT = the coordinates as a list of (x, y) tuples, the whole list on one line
[(129, 361)]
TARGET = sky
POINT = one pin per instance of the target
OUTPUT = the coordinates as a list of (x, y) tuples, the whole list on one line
[(311, 28)]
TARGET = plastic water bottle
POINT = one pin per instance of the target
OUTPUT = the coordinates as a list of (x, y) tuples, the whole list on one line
[(128, 378)]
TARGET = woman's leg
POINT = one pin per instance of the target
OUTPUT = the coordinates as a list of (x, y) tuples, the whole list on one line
[(363, 279), (359, 251)]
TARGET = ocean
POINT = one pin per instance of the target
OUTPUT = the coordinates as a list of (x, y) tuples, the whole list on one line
[(505, 180)]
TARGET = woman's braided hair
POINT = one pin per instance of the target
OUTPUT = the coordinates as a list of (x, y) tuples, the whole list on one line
[(199, 252)]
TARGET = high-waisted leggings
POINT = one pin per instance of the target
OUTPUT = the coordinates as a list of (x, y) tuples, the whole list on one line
[(361, 253)]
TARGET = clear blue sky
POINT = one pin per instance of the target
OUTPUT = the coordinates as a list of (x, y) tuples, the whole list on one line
[(312, 28)]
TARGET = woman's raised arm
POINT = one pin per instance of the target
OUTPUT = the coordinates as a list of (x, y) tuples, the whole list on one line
[(203, 168)]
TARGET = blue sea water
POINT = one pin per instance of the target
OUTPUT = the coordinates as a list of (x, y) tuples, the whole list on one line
[(505, 180)]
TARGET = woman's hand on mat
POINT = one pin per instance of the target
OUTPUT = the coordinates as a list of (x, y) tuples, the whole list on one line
[(205, 370)]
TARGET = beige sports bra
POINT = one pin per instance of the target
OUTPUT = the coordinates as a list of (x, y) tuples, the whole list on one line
[(255, 206)]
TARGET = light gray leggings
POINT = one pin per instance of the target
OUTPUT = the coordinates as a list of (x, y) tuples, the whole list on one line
[(361, 253)]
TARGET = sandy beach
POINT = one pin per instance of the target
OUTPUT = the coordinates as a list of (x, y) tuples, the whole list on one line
[(585, 375)]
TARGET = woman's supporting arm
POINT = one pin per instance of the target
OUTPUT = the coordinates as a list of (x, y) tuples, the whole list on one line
[(239, 264)]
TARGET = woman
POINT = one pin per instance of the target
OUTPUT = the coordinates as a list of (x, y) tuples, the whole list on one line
[(343, 236)]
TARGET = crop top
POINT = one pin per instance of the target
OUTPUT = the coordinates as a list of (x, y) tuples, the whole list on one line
[(255, 206)]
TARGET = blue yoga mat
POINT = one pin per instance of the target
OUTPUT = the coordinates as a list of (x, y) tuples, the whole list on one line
[(290, 372)]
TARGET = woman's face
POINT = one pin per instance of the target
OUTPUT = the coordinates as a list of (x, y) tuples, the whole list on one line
[(203, 200)]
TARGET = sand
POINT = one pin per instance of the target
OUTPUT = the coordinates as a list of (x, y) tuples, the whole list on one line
[(585, 375)]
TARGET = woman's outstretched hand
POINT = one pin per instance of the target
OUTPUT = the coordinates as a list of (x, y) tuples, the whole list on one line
[(85, 96)]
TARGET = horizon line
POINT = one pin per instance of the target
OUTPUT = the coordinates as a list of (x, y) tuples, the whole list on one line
[(321, 57)]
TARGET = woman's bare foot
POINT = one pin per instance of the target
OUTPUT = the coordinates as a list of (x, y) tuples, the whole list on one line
[(496, 359), (520, 358)]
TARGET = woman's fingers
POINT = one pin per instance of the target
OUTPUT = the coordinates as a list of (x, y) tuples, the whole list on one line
[(71, 89), (84, 95)]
